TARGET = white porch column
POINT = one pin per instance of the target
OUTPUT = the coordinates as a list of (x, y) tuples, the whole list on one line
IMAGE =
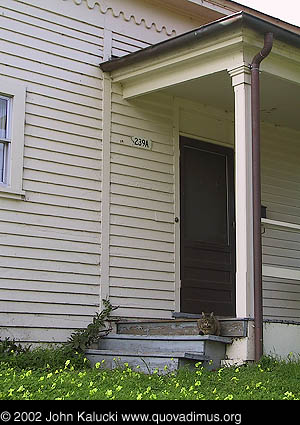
[(241, 82)]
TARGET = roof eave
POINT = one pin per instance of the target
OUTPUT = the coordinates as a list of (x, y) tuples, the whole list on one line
[(192, 37)]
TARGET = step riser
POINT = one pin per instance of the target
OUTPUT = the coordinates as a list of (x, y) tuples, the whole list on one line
[(144, 364), (150, 345)]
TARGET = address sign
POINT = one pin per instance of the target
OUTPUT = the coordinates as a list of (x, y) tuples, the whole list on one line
[(140, 142)]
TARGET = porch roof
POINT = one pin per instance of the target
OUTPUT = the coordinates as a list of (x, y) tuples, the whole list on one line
[(196, 66), (188, 39)]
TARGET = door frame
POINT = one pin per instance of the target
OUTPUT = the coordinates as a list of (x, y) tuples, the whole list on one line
[(176, 139)]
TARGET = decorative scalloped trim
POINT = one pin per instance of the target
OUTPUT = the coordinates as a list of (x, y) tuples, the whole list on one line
[(120, 10)]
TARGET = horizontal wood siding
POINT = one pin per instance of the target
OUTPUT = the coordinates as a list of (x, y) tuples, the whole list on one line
[(123, 44), (281, 196), (142, 208), (281, 298), (142, 246), (50, 243), (281, 175)]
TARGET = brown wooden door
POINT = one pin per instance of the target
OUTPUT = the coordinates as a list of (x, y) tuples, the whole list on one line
[(207, 228)]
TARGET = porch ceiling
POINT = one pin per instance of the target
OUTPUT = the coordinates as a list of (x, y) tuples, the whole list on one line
[(280, 99)]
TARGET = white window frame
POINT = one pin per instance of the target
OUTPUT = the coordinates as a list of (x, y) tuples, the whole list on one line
[(12, 187), (6, 141)]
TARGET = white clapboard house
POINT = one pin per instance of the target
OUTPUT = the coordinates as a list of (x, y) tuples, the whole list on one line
[(126, 169)]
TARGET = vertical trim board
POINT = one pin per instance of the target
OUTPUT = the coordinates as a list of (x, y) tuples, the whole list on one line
[(106, 164)]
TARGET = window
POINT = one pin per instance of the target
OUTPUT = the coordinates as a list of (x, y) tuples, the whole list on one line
[(12, 120), (5, 131)]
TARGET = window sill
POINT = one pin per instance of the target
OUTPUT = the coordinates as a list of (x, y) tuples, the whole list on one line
[(12, 194)]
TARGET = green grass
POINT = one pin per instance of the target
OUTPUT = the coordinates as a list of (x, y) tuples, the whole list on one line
[(72, 379)]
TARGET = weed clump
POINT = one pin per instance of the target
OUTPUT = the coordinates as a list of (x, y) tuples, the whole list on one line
[(40, 358), (53, 356)]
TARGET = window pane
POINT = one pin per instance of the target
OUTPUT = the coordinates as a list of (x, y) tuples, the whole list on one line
[(1, 162), (3, 118)]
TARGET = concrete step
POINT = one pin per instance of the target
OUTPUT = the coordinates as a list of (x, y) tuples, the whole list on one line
[(165, 343), (147, 362), (162, 352)]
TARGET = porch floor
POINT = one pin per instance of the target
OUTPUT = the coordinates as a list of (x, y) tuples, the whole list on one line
[(187, 325)]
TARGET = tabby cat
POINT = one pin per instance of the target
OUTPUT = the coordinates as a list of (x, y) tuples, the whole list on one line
[(208, 324)]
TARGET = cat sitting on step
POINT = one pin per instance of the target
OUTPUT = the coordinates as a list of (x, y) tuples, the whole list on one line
[(208, 324)]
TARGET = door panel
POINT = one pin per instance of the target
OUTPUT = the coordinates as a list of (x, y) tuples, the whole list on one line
[(207, 228)]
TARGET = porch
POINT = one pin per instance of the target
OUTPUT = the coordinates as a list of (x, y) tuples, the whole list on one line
[(205, 77)]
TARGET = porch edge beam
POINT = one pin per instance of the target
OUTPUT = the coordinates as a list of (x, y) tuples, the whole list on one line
[(173, 71), (171, 76), (241, 82)]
